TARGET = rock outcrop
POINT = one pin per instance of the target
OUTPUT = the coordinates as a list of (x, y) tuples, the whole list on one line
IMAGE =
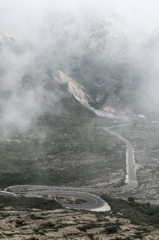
[(67, 224)]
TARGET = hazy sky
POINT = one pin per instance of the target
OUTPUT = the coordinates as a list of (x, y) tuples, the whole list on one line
[(135, 13)]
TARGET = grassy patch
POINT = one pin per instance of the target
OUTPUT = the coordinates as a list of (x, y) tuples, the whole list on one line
[(62, 151), (137, 213), (29, 202)]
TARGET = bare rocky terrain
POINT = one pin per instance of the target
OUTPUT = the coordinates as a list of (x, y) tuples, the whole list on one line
[(69, 224)]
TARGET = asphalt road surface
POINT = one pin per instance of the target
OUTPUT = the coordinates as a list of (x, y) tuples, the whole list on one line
[(131, 171), (93, 202)]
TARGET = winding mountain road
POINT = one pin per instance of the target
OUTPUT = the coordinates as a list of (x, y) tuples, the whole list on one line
[(93, 202)]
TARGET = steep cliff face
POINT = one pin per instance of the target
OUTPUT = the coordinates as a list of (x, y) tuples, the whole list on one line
[(30, 93), (94, 57), (50, 85), (75, 89)]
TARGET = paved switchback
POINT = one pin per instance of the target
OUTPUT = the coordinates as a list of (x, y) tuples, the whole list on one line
[(93, 202)]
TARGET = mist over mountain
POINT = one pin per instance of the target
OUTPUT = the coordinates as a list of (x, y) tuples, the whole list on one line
[(79, 83), (92, 52)]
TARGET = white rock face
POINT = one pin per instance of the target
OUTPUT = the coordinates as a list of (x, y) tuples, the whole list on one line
[(75, 89), (109, 109), (141, 116)]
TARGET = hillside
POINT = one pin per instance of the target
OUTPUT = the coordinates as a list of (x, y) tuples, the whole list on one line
[(44, 218), (65, 77), (107, 81), (94, 55)]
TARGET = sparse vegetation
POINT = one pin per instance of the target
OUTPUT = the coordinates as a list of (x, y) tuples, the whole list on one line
[(29, 202), (64, 151), (138, 213), (70, 223), (146, 158)]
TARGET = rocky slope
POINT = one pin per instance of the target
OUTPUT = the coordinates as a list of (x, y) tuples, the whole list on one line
[(33, 86), (68, 224)]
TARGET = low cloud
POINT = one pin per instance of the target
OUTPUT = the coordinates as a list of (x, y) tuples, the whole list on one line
[(37, 33)]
